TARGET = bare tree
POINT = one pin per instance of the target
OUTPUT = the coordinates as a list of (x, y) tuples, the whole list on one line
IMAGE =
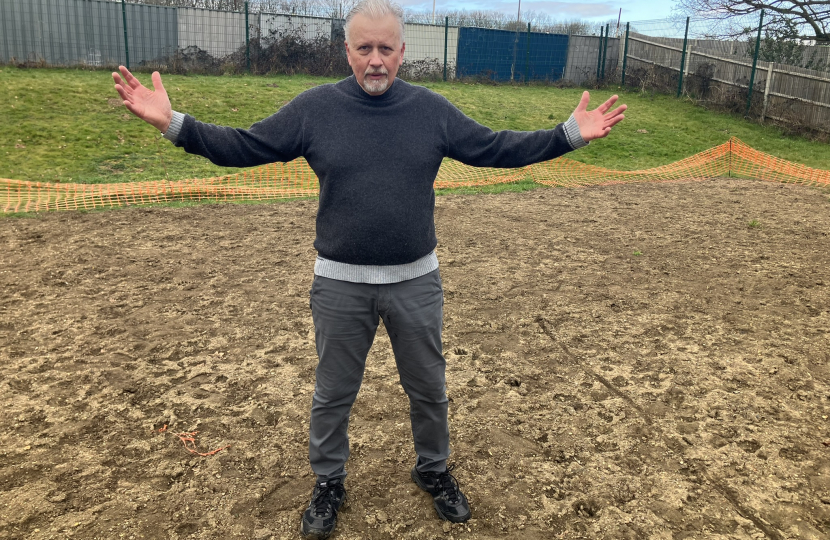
[(812, 16)]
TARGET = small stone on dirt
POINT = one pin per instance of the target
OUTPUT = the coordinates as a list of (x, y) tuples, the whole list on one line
[(478, 381), (262, 534)]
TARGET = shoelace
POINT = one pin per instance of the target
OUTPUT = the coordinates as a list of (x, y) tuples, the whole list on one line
[(449, 485), (322, 502)]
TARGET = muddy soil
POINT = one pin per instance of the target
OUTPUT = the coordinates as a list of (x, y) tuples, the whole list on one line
[(641, 361)]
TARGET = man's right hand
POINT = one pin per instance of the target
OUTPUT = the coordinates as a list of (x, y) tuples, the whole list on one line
[(152, 106)]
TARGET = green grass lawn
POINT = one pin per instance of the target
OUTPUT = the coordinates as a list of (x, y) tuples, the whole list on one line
[(64, 125)]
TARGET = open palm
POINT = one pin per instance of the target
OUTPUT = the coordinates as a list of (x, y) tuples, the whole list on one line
[(597, 123), (152, 106)]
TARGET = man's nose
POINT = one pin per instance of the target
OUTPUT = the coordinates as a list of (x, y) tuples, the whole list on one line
[(375, 59)]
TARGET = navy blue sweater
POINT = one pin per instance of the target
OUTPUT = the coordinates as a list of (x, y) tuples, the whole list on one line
[(376, 158)]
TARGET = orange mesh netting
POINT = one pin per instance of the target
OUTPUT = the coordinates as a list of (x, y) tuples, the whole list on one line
[(272, 181), (296, 179), (564, 172), (732, 158)]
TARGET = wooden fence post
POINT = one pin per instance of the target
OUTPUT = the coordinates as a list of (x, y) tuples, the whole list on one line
[(770, 71), (688, 62)]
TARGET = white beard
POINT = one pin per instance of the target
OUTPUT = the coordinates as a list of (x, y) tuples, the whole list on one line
[(378, 86)]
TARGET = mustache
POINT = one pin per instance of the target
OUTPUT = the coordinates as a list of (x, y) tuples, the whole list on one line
[(378, 71)]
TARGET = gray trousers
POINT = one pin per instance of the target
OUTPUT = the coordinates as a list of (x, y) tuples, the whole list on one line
[(346, 316)]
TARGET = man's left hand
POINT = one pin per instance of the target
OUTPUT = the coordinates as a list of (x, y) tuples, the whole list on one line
[(597, 123)]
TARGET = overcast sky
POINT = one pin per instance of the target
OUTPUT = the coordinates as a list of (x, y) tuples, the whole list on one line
[(590, 10)]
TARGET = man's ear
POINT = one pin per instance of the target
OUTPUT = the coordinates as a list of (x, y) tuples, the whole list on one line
[(403, 48), (348, 53)]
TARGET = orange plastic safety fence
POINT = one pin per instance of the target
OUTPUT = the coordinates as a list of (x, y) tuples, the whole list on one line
[(564, 172), (272, 181), (750, 163), (296, 179), (733, 158), (454, 174)]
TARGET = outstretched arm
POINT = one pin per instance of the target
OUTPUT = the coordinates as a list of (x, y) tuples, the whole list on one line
[(277, 138), (597, 123), (152, 106)]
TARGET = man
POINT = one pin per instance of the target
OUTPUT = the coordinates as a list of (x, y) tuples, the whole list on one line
[(376, 144)]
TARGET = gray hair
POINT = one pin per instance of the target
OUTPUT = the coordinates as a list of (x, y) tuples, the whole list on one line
[(375, 9)]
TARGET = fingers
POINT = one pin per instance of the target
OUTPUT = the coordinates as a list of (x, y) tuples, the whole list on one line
[(125, 83), (583, 102), (618, 111), (119, 82), (128, 77), (613, 122), (122, 92), (608, 104), (157, 82)]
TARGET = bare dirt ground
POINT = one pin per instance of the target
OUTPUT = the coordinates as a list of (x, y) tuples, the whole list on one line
[(642, 361)]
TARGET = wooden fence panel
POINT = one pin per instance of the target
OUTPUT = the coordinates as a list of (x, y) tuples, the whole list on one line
[(789, 94)]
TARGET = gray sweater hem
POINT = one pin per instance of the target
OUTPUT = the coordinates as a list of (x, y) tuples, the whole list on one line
[(375, 275)]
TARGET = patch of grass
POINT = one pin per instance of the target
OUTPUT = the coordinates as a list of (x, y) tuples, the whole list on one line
[(754, 224), (20, 215), (512, 187), (65, 125), (637, 253)]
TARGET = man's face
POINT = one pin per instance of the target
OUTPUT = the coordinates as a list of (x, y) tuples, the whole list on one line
[(375, 52)]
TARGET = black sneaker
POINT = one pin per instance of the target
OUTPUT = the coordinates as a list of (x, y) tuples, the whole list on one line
[(447, 498), (321, 516)]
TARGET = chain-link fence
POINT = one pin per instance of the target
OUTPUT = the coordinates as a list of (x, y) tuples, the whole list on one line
[(101, 33), (740, 75)]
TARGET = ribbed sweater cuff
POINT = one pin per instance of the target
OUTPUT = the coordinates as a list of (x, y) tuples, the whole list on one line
[(573, 135), (375, 275), (175, 127)]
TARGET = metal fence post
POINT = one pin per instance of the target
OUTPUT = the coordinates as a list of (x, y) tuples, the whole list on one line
[(247, 41), (625, 51), (126, 44), (527, 54), (754, 63), (683, 59), (446, 39), (605, 50), (599, 51)]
